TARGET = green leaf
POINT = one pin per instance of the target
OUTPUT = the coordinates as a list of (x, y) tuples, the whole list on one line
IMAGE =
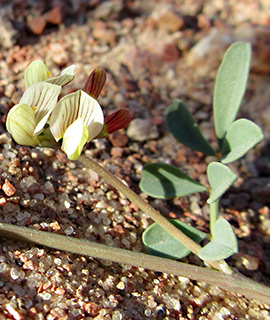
[(230, 86), (183, 127), (220, 179), (160, 242), (223, 245), (242, 136), (161, 180)]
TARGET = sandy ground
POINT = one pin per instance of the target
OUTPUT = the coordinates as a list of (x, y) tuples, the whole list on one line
[(153, 52)]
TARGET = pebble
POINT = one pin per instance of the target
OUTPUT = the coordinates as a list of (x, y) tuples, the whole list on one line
[(118, 139), (142, 130), (36, 24), (115, 152), (166, 17), (8, 188), (55, 15)]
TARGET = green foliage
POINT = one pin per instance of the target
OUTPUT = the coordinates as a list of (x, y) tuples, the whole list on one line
[(161, 180), (235, 138), (242, 136), (161, 243), (184, 128), (220, 178), (230, 86), (223, 245)]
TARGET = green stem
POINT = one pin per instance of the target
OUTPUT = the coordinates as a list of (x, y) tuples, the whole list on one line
[(214, 209), (145, 207), (234, 283)]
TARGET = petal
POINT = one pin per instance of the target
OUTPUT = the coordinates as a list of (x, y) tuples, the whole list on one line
[(73, 106), (43, 97), (65, 77), (74, 139), (21, 124), (37, 71), (95, 82)]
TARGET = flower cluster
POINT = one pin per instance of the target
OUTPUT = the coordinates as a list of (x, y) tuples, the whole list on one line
[(41, 119)]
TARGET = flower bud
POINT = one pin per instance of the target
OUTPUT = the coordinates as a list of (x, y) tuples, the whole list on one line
[(119, 119), (95, 82)]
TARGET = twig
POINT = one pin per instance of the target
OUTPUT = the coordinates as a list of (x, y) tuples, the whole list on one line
[(233, 283)]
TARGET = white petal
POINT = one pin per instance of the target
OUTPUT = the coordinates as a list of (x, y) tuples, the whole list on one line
[(21, 124), (74, 139), (37, 71), (43, 97), (73, 106), (65, 77)]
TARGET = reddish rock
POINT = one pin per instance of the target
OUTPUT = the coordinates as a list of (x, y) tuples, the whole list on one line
[(36, 25), (8, 188), (92, 309), (118, 139), (116, 152), (170, 52), (54, 16)]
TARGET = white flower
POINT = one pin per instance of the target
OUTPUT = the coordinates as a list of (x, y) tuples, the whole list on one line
[(26, 120), (77, 118)]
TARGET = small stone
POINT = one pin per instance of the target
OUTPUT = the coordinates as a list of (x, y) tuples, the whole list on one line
[(14, 273), (54, 16), (142, 130), (166, 18), (118, 139), (13, 312), (115, 152), (8, 188), (92, 309), (250, 262), (36, 25), (3, 201)]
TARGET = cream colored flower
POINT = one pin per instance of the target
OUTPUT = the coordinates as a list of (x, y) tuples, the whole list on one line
[(77, 118), (26, 120)]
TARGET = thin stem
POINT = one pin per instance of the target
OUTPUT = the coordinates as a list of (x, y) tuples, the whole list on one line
[(233, 283), (214, 207), (145, 207)]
